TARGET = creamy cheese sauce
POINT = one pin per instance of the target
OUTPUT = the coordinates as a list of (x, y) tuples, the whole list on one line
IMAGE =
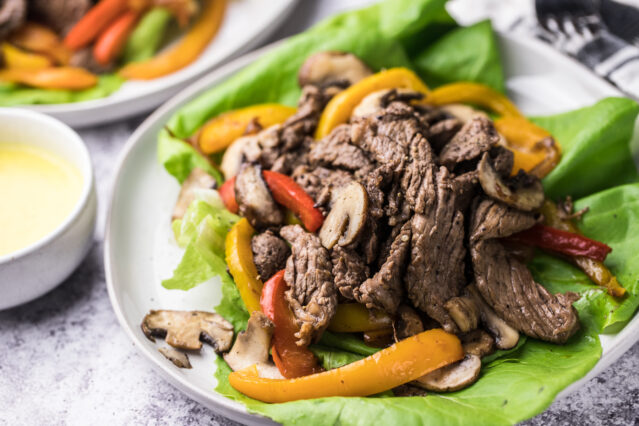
[(38, 191)]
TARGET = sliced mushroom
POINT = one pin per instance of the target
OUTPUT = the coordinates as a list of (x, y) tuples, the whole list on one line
[(254, 198), (380, 99), (463, 112), (324, 68), (453, 377), (523, 191), (188, 329), (506, 337), (478, 342), (234, 156), (179, 359), (464, 312), (347, 216), (252, 346), (198, 179)]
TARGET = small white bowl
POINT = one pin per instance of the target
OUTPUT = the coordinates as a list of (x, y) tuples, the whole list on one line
[(34, 270)]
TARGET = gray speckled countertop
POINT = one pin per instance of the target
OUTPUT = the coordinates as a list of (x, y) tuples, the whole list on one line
[(65, 360)]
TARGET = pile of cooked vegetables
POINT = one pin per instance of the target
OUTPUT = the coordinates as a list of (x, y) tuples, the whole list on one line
[(382, 208), (68, 45)]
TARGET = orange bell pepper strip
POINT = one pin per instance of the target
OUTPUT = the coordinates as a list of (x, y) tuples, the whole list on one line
[(18, 59), (289, 194), (220, 132), (473, 93), (340, 108), (596, 270), (355, 317), (239, 259), (185, 51), (51, 78), (534, 149), (110, 43), (227, 194), (40, 39), (96, 20), (292, 360), (400, 363)]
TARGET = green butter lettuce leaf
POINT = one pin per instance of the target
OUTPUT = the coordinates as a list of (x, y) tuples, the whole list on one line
[(595, 138), (179, 158), (20, 95), (465, 54)]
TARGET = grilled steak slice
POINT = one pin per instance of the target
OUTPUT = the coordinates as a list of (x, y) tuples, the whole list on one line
[(506, 283), (476, 137), (60, 15), (12, 15), (269, 254), (312, 293), (384, 290), (440, 133), (281, 148), (437, 243), (254, 198), (336, 151), (407, 323), (349, 270)]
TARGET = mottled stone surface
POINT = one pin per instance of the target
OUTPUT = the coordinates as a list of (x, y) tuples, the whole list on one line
[(65, 360)]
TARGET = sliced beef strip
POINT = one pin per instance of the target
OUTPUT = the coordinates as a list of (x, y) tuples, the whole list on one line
[(336, 151), (12, 15), (407, 323), (60, 15), (507, 285), (476, 137), (384, 290), (312, 294), (283, 147), (349, 270), (269, 254), (321, 183), (502, 160), (440, 133), (254, 198), (437, 243)]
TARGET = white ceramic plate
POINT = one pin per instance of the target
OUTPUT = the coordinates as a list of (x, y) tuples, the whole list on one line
[(139, 252), (245, 25)]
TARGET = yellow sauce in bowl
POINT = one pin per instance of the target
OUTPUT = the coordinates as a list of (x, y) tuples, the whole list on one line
[(38, 191)]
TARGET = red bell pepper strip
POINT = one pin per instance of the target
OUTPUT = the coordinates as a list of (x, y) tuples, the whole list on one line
[(563, 242), (94, 22), (227, 193), (289, 194), (110, 43), (292, 360)]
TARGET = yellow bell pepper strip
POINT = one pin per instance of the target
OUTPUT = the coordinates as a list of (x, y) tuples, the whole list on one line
[(534, 149), (340, 108), (37, 38), (596, 270), (400, 363), (239, 258), (473, 93), (355, 317), (51, 78), (18, 59), (186, 50), (220, 132)]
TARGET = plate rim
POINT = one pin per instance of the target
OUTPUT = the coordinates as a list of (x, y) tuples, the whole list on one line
[(233, 409)]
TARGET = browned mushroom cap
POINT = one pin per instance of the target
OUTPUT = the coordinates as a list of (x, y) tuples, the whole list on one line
[(506, 337), (453, 377), (347, 216), (523, 192), (178, 358), (464, 312), (332, 67), (252, 346), (188, 329), (255, 200), (463, 112), (376, 101), (198, 179)]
